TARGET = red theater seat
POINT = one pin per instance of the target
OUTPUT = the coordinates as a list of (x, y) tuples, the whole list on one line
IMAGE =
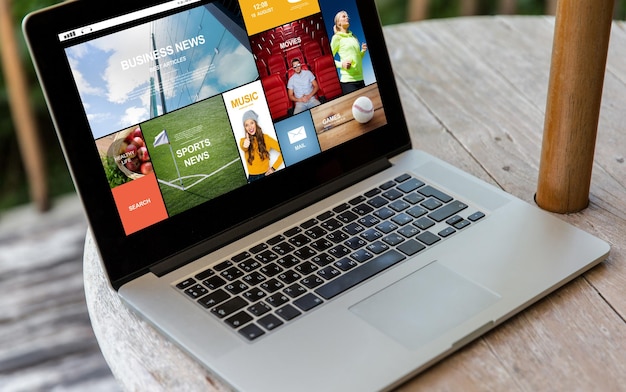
[(276, 64), (312, 50), (327, 78), (276, 94)]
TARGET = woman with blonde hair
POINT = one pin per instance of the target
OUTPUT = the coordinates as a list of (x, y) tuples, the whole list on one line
[(256, 147), (351, 53)]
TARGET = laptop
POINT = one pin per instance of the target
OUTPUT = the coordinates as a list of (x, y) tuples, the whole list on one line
[(249, 179)]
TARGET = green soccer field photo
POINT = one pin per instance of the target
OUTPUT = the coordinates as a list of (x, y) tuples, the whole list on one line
[(194, 154)]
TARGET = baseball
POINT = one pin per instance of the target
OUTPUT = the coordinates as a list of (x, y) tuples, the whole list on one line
[(363, 109)]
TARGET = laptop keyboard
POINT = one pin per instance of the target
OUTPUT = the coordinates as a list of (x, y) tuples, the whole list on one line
[(290, 274)]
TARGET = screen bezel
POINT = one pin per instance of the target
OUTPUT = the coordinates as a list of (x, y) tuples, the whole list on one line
[(186, 230)]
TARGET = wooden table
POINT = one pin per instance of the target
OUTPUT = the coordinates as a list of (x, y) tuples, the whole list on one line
[(474, 93)]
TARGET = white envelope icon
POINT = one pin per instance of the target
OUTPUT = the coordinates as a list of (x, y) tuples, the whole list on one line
[(295, 135)]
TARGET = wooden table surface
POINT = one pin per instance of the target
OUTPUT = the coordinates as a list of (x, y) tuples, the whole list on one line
[(474, 93)]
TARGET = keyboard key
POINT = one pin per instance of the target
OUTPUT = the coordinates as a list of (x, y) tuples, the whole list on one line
[(266, 256), (214, 298), (308, 224), (377, 247), (429, 191), (308, 302), (361, 255), (402, 219), (259, 309), (186, 283), (275, 240), (431, 204), (321, 244), (368, 221), (399, 205), (240, 257), (416, 211), (410, 185), (408, 231), (306, 268), (393, 194), (282, 248), (236, 287), (387, 185), (239, 319), (353, 229), (271, 270), (223, 265), (214, 282), (359, 274), (277, 299), (229, 307), (348, 216), (316, 232), (411, 247), (254, 294), (448, 231), (288, 312), (288, 261), (447, 211), (345, 264), (462, 224), (258, 248), (377, 202), (424, 223), (341, 208), (402, 177), (205, 274), (270, 322), (251, 331), (371, 235), (295, 290), (372, 193), (428, 238), (386, 227), (322, 260), (331, 225), (299, 240), (289, 277), (254, 278), (232, 273), (476, 216), (249, 265), (304, 253), (328, 272), (413, 198), (293, 231), (272, 285), (363, 209), (393, 239), (312, 281), (384, 213), (325, 215)]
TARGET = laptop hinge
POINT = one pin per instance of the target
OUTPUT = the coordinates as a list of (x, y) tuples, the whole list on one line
[(278, 212)]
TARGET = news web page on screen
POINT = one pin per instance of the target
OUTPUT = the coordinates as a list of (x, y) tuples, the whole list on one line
[(168, 105)]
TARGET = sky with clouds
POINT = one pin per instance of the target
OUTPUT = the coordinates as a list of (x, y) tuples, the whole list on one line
[(116, 95)]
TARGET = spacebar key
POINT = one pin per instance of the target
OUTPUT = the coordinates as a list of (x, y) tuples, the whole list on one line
[(359, 274)]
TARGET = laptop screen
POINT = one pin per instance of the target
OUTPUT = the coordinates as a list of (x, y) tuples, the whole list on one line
[(193, 105), (205, 114)]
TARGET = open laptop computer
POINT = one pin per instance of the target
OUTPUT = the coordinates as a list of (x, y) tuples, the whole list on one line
[(283, 250)]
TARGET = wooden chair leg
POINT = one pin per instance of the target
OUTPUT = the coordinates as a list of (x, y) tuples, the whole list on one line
[(581, 41), (418, 9), (21, 110)]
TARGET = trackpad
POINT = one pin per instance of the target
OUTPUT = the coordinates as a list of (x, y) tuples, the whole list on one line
[(424, 305)]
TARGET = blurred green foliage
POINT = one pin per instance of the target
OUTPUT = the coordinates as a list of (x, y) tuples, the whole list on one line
[(13, 186)]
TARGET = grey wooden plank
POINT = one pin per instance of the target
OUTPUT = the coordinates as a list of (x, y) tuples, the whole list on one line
[(46, 339)]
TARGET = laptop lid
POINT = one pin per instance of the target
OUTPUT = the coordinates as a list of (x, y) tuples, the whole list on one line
[(150, 101)]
